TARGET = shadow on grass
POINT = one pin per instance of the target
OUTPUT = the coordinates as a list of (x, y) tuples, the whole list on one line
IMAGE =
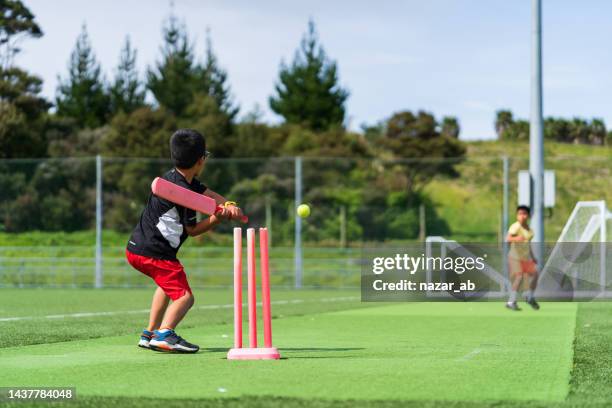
[(304, 349), (283, 350)]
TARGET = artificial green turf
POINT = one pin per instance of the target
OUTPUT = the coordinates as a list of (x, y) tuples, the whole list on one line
[(590, 384), (284, 402), (434, 351), (130, 311), (592, 373)]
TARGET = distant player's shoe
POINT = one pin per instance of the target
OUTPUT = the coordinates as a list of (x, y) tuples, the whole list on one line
[(532, 302), (145, 339), (169, 341), (512, 306)]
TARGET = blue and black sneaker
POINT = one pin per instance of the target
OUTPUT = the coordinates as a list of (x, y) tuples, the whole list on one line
[(532, 302), (169, 341), (145, 338)]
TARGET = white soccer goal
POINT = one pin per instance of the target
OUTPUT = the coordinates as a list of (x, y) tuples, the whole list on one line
[(580, 253), (576, 267), (436, 246)]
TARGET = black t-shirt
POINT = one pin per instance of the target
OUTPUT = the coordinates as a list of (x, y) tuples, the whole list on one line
[(161, 229)]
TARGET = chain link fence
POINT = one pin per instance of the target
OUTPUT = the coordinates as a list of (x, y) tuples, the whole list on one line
[(65, 221)]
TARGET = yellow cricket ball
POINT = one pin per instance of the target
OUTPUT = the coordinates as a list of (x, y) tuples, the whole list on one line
[(303, 210)]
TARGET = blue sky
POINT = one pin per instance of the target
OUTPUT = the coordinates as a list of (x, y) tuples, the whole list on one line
[(466, 58)]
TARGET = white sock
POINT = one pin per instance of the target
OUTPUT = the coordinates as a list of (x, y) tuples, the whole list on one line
[(512, 298), (163, 330)]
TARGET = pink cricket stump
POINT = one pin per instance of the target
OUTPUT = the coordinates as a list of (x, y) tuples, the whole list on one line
[(252, 287), (253, 352), (237, 288), (265, 286)]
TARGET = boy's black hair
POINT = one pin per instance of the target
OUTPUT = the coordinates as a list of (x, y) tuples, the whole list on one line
[(523, 208), (187, 146)]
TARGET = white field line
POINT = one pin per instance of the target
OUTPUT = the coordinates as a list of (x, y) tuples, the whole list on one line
[(471, 354), (203, 307)]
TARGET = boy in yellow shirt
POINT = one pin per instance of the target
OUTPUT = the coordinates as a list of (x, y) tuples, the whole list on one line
[(521, 262)]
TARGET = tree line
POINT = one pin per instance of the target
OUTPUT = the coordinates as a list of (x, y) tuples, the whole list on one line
[(133, 115), (90, 115), (576, 130)]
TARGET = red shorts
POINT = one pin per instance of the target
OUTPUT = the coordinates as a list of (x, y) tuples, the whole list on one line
[(168, 275), (522, 267)]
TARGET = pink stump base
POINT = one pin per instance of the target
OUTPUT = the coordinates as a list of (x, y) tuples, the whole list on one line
[(259, 353)]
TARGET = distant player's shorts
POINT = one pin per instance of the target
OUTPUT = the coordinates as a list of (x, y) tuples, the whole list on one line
[(521, 267), (168, 275)]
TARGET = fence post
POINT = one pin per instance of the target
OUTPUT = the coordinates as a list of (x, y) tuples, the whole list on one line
[(603, 238), (297, 250), (504, 227), (98, 278), (422, 223), (269, 219), (342, 226)]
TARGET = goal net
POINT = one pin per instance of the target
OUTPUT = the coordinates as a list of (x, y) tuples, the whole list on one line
[(576, 266), (491, 282), (578, 262)]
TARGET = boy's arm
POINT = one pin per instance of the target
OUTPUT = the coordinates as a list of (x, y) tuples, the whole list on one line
[(513, 234), (234, 211), (514, 238), (206, 224), (219, 199)]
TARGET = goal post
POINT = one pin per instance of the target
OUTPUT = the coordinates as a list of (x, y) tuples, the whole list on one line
[(576, 265), (437, 246), (580, 252)]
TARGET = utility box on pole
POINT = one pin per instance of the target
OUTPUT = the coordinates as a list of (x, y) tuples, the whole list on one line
[(525, 189)]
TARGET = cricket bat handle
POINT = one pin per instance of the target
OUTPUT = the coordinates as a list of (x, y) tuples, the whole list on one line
[(244, 219)]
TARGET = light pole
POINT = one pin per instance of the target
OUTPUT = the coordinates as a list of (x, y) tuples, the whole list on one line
[(536, 134)]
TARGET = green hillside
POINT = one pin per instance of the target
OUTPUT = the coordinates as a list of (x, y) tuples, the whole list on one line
[(471, 204)]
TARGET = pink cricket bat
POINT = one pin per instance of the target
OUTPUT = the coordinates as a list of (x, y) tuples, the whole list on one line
[(187, 198)]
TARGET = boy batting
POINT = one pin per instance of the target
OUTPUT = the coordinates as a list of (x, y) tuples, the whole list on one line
[(521, 262), (163, 227)]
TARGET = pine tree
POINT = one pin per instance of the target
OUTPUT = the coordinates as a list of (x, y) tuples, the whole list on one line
[(127, 93), (22, 115), (308, 92), (172, 79), (450, 127), (504, 120), (16, 23), (22, 108), (82, 95), (212, 80)]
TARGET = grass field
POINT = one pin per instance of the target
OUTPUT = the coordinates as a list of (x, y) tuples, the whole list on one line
[(335, 350)]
